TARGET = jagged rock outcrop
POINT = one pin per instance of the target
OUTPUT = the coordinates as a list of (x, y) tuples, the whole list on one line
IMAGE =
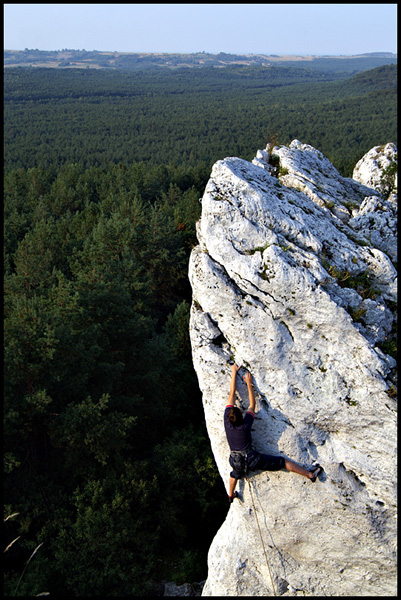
[(377, 216), (293, 278), (371, 168)]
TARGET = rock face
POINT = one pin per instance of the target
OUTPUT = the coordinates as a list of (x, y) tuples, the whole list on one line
[(293, 278), (369, 170)]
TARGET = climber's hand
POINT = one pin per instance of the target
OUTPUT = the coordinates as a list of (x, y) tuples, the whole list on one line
[(248, 378), (235, 368)]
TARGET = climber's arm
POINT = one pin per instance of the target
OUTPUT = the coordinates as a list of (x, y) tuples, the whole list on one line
[(248, 381), (233, 382)]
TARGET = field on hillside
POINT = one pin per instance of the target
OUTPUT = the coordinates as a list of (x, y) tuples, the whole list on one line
[(72, 59)]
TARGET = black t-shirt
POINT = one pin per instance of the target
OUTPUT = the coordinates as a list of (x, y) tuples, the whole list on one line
[(239, 438)]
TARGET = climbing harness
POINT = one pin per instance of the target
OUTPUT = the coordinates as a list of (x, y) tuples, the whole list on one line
[(243, 461), (261, 538)]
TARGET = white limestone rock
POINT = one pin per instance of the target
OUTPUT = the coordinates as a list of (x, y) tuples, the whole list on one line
[(376, 217), (284, 285), (312, 173), (369, 170)]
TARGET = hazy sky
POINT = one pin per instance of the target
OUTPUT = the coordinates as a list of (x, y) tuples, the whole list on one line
[(332, 29)]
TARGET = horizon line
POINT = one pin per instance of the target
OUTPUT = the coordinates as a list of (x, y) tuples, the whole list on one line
[(201, 52)]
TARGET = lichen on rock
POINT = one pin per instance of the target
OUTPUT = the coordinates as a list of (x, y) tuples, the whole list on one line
[(294, 278)]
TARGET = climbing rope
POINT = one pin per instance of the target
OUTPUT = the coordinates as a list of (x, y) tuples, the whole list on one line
[(261, 538)]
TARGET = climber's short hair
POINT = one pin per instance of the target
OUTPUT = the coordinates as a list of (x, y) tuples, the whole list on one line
[(235, 416)]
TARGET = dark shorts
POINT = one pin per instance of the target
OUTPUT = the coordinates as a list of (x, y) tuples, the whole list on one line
[(254, 461)]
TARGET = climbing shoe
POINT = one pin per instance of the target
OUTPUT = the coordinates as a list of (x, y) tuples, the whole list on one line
[(317, 469), (231, 498)]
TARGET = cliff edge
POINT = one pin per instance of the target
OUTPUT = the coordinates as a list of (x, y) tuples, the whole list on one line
[(294, 279)]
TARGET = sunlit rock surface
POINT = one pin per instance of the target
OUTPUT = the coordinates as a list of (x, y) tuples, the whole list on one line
[(294, 278), (371, 168)]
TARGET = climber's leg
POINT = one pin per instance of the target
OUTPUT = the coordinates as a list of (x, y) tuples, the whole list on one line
[(295, 468), (231, 486), (237, 463)]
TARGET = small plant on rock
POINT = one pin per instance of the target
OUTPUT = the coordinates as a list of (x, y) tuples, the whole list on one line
[(275, 161), (357, 313), (387, 180)]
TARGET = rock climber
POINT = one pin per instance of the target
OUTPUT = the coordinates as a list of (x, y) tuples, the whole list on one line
[(243, 457)]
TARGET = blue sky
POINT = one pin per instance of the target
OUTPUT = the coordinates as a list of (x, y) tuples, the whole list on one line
[(302, 29)]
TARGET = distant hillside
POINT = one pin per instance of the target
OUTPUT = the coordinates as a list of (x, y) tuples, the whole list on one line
[(381, 78), (67, 59)]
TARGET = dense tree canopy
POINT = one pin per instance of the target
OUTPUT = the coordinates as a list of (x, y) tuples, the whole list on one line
[(107, 458), (187, 116)]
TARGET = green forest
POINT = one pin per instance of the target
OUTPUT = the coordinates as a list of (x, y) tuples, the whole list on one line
[(192, 116), (110, 484)]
